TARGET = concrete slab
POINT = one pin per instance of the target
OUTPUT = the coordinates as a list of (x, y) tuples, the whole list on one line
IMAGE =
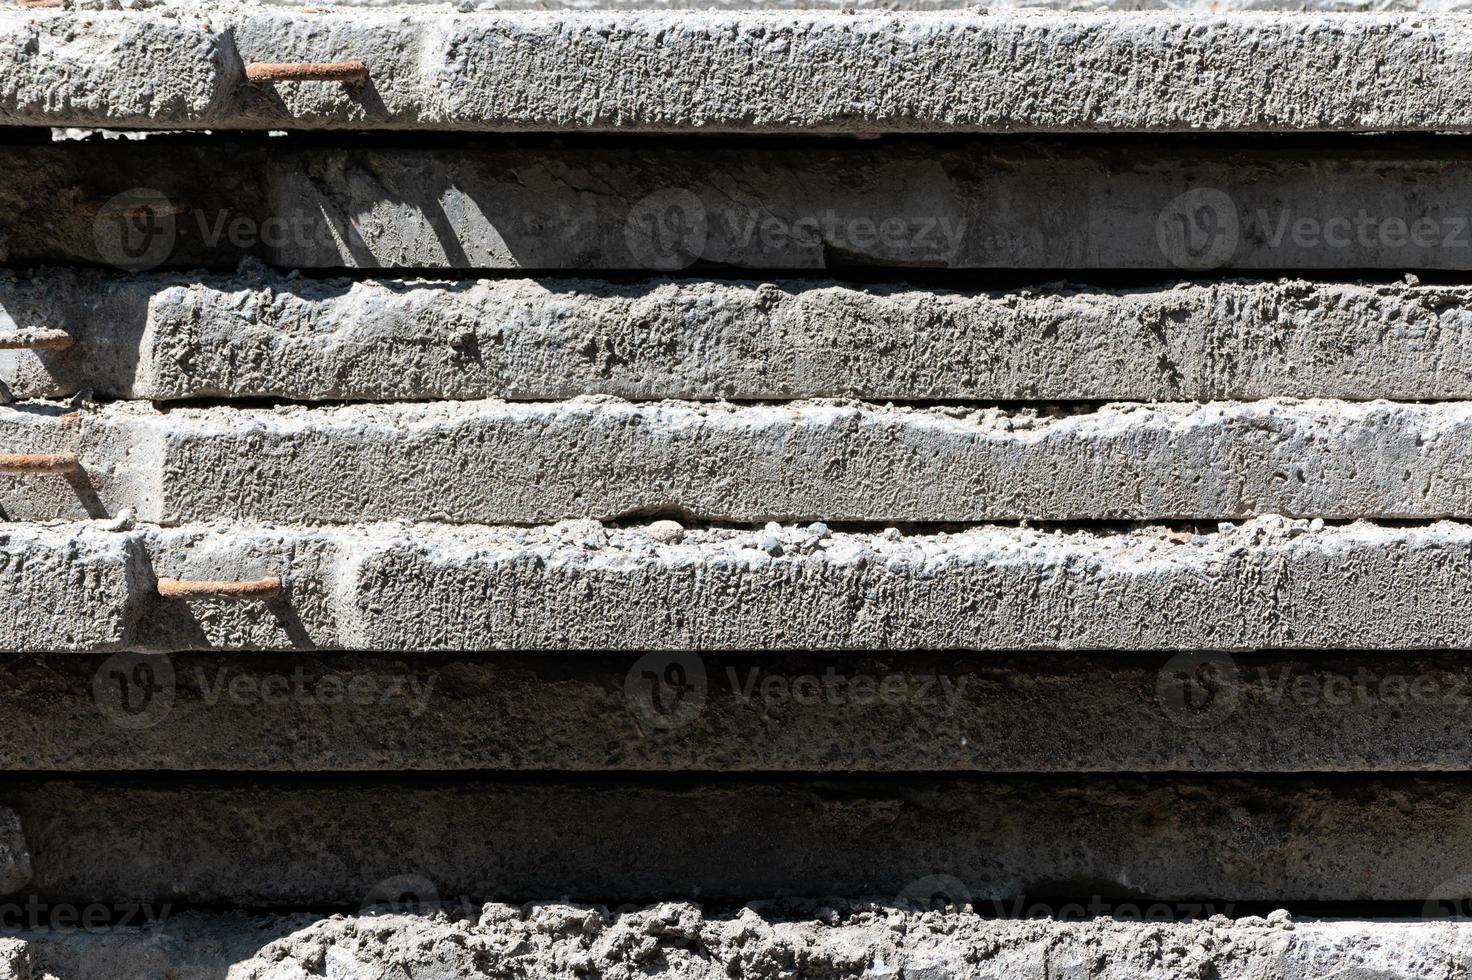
[(1270, 582), (184, 65), (306, 842), (715, 712), (262, 335), (729, 204), (491, 462)]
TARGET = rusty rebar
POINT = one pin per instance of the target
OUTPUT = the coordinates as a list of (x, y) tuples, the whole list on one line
[(173, 588), (352, 72), (35, 340), (22, 464)]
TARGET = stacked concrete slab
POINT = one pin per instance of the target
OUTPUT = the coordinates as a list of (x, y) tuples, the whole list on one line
[(752, 493)]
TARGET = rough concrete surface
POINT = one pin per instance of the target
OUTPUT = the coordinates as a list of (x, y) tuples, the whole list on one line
[(1270, 582), (492, 462), (183, 65), (314, 841), (66, 587), (263, 335), (572, 203), (765, 941), (769, 712)]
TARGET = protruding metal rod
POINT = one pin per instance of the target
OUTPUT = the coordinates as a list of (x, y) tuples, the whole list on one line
[(20, 464), (173, 588), (353, 72), (41, 339)]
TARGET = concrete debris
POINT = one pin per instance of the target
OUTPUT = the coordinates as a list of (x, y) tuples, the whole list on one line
[(768, 941)]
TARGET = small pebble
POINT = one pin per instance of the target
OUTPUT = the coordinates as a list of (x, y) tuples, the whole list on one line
[(667, 532), (772, 546), (1317, 524), (820, 529)]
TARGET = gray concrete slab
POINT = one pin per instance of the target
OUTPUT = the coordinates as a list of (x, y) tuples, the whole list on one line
[(1270, 582), (184, 65), (769, 712), (492, 462), (632, 203), (261, 335), (309, 842)]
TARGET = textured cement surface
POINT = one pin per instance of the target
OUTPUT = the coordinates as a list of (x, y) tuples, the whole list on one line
[(492, 462), (67, 587), (794, 712), (183, 65), (1269, 582), (767, 941), (566, 203), (262, 335), (314, 842)]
